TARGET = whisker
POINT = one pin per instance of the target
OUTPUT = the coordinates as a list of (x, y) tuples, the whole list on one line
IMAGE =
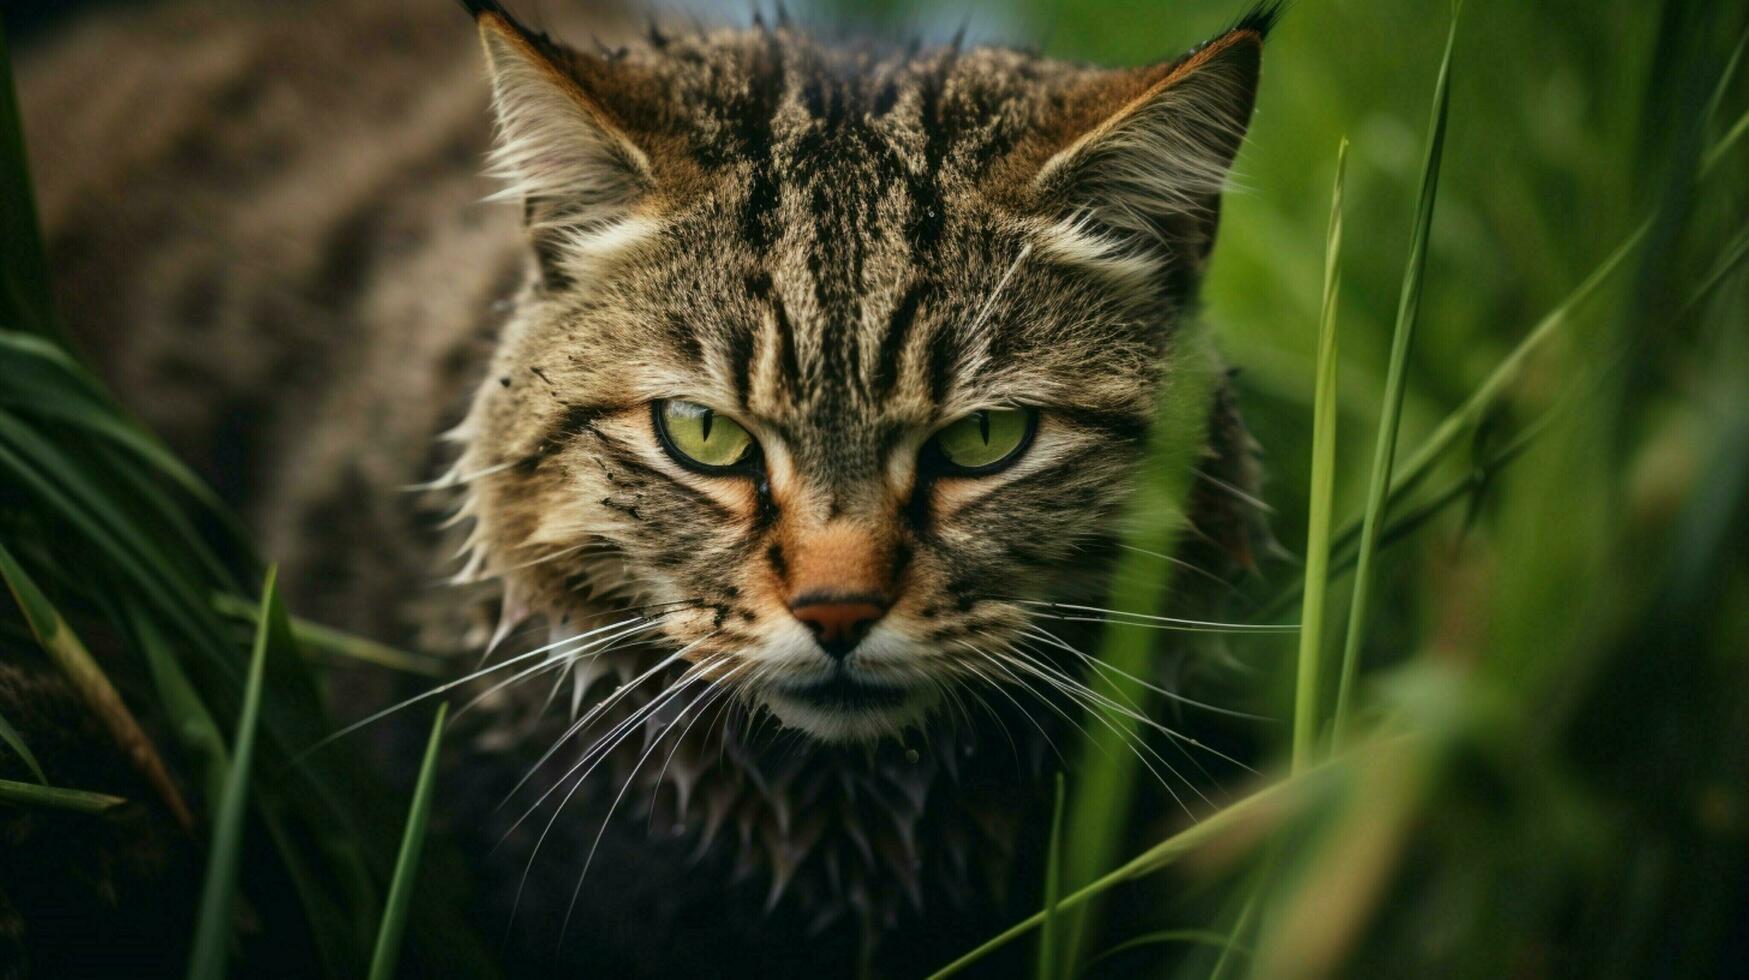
[(560, 659), (1140, 718), (1099, 664), (997, 663), (617, 734), (1001, 284), (1181, 563), (454, 477), (1077, 694), (576, 726), (1239, 494), (979, 699), (1198, 625), (1096, 701), (448, 686), (606, 820), (711, 694)]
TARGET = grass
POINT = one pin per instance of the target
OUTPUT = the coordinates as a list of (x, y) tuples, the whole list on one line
[(57, 797), (16, 743), (387, 952), (218, 896), (1542, 707), (63, 647), (1308, 691), (1391, 414)]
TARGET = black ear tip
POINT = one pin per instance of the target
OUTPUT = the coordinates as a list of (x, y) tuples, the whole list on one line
[(1262, 17), (479, 8)]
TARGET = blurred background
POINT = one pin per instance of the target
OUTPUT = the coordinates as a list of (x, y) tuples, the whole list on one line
[(1560, 629)]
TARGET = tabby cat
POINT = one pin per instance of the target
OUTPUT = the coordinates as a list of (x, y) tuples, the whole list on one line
[(812, 385)]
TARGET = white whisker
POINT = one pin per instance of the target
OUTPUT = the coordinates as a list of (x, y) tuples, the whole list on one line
[(1195, 625), (450, 685), (1040, 633), (606, 744)]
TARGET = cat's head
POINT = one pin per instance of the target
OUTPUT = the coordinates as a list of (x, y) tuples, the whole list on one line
[(836, 359)]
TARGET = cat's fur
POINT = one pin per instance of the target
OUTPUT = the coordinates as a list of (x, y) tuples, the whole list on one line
[(843, 247)]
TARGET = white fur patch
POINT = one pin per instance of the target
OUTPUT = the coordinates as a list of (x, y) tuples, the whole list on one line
[(1075, 242)]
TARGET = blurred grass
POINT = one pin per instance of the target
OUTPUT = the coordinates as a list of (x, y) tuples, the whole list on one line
[(79, 800)]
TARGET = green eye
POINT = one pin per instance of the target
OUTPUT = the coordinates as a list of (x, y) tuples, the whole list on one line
[(983, 442), (696, 436)]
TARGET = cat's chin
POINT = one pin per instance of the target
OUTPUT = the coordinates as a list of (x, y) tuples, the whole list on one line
[(842, 714)]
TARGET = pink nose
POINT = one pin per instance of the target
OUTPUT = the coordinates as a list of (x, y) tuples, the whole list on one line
[(838, 622)]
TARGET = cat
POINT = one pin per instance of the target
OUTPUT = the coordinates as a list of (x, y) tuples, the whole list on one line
[(812, 376)]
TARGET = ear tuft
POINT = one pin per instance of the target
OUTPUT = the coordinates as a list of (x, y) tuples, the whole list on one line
[(559, 149), (1261, 18), (1152, 169)]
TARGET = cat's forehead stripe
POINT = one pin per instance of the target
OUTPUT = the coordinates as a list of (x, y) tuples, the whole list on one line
[(849, 260)]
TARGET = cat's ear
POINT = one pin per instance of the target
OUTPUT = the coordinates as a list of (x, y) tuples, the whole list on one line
[(1153, 147), (560, 148)]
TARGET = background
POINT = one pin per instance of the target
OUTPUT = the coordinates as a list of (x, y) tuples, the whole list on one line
[(1545, 764)]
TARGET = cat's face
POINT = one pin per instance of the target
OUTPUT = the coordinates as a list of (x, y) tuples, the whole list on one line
[(836, 363)]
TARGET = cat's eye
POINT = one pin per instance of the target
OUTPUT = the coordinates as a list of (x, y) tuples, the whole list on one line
[(984, 441), (700, 438)]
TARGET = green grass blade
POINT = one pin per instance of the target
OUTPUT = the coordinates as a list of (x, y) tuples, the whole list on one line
[(1099, 806), (1242, 925), (1390, 416), (95, 519), (212, 935), (43, 379), (1307, 688), (1199, 937), (25, 297), (56, 797), (388, 945), (1729, 260), (1262, 809), (15, 741), (76, 481), (69, 654), (182, 705), (1463, 420), (1048, 966), (1723, 86), (1717, 153), (318, 638)]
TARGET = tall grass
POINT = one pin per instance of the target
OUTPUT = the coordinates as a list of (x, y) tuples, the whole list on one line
[(1308, 687), (1391, 415)]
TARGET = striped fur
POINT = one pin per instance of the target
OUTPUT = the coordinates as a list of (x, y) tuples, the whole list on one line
[(892, 240)]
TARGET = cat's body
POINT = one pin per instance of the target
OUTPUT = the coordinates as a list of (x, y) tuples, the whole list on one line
[(270, 238), (268, 235)]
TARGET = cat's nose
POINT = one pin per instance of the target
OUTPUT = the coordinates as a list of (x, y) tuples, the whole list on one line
[(838, 622)]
